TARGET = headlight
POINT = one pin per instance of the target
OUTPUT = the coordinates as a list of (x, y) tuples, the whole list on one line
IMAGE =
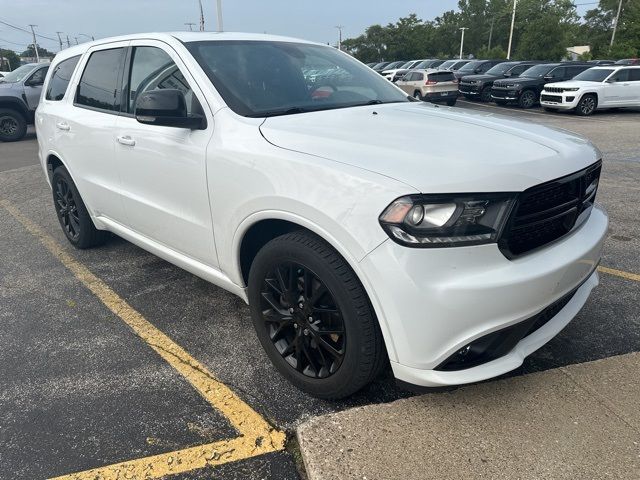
[(570, 89), (447, 220), (515, 85)]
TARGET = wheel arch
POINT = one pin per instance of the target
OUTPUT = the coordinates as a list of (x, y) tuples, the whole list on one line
[(16, 104), (260, 228)]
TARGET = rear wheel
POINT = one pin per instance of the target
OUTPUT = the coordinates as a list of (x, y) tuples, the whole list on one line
[(485, 95), (13, 125), (587, 105), (313, 317), (527, 99), (72, 214), (451, 103), (417, 95)]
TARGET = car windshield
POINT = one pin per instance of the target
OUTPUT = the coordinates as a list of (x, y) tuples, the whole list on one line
[(18, 74), (457, 65), (406, 65), (594, 75), (537, 71), (469, 67), (263, 79), (447, 64), (501, 68)]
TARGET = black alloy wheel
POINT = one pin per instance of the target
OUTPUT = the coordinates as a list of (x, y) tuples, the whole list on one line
[(527, 99), (485, 94), (67, 209), (303, 320), (313, 316), (13, 125)]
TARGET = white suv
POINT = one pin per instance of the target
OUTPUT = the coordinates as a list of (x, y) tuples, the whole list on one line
[(338, 211), (596, 88)]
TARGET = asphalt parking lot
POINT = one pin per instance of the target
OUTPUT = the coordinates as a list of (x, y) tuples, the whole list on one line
[(118, 361)]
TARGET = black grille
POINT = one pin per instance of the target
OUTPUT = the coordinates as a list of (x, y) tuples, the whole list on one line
[(499, 93), (551, 98), (548, 211)]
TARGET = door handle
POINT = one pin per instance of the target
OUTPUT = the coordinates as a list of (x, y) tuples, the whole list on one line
[(63, 126), (126, 140)]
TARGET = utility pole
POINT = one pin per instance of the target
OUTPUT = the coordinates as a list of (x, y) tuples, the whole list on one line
[(35, 45), (201, 16), (615, 25), (76, 40), (513, 21), (60, 40), (190, 25), (339, 27), (68, 42), (219, 12), (462, 29)]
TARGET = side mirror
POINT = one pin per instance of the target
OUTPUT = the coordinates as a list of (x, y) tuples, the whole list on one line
[(34, 81), (549, 77), (507, 74), (610, 80), (168, 108)]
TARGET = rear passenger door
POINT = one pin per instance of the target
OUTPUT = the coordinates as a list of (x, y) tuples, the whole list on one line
[(618, 89), (85, 125), (634, 90), (163, 169)]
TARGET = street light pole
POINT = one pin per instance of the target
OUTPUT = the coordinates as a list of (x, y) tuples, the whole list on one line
[(201, 16), (513, 21), (219, 12), (35, 45), (68, 42), (615, 25), (339, 27), (60, 40), (462, 29)]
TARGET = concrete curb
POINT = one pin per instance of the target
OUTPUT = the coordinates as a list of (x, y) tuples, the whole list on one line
[(580, 421)]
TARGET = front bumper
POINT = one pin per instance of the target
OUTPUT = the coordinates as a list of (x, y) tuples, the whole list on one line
[(560, 101), (466, 89), (433, 302), (504, 94)]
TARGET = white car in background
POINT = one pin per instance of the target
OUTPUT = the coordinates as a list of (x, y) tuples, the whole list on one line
[(356, 233), (594, 89), (390, 74)]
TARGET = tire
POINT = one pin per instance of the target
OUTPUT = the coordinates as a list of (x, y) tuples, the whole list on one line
[(587, 105), (527, 99), (451, 103), (287, 320), (417, 95), (485, 94), (72, 214), (13, 125)]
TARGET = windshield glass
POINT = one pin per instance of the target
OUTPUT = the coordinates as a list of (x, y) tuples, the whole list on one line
[(262, 79), (447, 64), (18, 74), (500, 69), (470, 67), (594, 75), (407, 65), (459, 64), (537, 71)]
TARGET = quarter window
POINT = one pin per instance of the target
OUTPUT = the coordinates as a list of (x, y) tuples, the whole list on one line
[(60, 78), (634, 74), (100, 83), (153, 69)]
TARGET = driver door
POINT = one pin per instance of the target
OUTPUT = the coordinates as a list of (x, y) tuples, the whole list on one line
[(33, 87)]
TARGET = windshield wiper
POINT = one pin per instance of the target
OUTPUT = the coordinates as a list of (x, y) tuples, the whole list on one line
[(286, 111)]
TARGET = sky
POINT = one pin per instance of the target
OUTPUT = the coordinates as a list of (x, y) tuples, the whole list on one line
[(308, 19)]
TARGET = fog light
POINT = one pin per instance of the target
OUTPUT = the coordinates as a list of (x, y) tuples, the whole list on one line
[(570, 99)]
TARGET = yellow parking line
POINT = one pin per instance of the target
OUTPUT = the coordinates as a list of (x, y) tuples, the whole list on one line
[(256, 436), (620, 273)]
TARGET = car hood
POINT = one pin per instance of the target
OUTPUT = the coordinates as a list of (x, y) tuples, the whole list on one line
[(7, 85), (520, 80), (435, 149), (573, 84)]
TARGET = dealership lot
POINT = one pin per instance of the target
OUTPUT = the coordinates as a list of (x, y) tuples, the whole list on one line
[(113, 355)]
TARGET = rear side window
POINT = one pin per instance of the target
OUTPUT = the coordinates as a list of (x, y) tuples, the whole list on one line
[(441, 77), (634, 74), (518, 69), (38, 77), (60, 78), (100, 83), (621, 75), (573, 71)]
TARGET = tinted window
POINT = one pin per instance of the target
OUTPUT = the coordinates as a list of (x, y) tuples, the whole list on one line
[(621, 75), (634, 74), (518, 69), (18, 74), (153, 69), (470, 67), (573, 71), (100, 83), (417, 77), (594, 74), (559, 72), (262, 78), (441, 77), (60, 78), (537, 71), (38, 77)]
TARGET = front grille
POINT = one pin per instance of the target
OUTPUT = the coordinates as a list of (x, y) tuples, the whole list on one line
[(498, 93), (546, 212), (554, 89), (551, 98)]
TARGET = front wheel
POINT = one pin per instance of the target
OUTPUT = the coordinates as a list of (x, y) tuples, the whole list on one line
[(13, 125), (485, 95), (527, 99), (587, 105), (313, 317)]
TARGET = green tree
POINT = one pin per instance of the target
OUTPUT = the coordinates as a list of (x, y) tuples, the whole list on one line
[(11, 60), (598, 28), (43, 52)]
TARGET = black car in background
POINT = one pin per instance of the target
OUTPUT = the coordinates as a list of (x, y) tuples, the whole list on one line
[(453, 65), (628, 61), (479, 86), (526, 89), (378, 67), (389, 66), (423, 65), (476, 67)]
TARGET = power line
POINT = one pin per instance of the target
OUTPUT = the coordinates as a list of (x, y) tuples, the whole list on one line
[(26, 31)]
